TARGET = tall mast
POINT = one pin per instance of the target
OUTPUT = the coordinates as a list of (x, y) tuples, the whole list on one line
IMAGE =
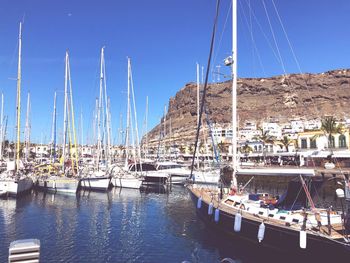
[(53, 135), (234, 90), (135, 114), (127, 119), (99, 142), (27, 128), (72, 116), (107, 113), (18, 107), (197, 111), (146, 131), (2, 130), (65, 119)]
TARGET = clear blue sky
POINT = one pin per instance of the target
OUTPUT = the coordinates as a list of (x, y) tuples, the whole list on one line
[(164, 39)]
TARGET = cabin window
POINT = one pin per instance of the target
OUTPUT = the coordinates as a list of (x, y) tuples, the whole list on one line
[(255, 148), (303, 143), (313, 144), (271, 215), (295, 220), (261, 212), (229, 202), (342, 141), (282, 217)]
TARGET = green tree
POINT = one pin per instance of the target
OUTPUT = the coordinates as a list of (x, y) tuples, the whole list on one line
[(286, 142), (329, 127), (265, 138)]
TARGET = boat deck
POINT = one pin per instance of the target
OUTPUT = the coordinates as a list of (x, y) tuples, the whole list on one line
[(210, 195)]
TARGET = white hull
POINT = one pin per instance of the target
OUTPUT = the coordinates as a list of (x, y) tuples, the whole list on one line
[(95, 183), (63, 185), (15, 187), (203, 177), (127, 182)]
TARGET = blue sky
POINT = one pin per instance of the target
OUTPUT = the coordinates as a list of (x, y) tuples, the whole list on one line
[(164, 39)]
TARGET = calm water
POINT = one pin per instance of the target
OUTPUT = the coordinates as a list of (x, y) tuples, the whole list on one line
[(123, 225)]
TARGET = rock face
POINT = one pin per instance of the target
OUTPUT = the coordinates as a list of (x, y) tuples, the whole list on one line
[(281, 97)]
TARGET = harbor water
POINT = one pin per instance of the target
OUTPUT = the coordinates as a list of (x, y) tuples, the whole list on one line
[(122, 225)]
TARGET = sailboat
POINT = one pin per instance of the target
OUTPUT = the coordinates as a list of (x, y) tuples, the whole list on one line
[(51, 178), (98, 177), (15, 180), (123, 176), (290, 223)]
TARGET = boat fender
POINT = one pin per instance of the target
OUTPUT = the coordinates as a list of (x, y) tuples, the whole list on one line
[(238, 222), (261, 232), (302, 239), (242, 206), (199, 202), (210, 209), (217, 215)]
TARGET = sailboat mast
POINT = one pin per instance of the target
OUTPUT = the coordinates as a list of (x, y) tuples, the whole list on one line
[(27, 128), (18, 107), (234, 89), (2, 131), (65, 120), (53, 139), (127, 120), (107, 113), (99, 143), (197, 111), (146, 121)]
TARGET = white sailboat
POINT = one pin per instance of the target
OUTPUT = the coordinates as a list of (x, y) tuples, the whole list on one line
[(15, 180), (54, 180), (98, 178), (290, 223), (123, 177)]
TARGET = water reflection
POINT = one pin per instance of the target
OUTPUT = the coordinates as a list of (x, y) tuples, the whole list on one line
[(123, 225)]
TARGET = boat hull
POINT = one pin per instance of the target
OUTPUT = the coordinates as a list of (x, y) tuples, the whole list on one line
[(16, 187), (275, 238), (126, 182), (62, 185), (95, 183)]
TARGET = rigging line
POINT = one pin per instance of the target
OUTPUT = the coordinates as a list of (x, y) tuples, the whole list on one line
[(205, 85), (292, 51), (222, 33), (287, 38), (295, 58), (253, 40), (263, 33), (274, 38)]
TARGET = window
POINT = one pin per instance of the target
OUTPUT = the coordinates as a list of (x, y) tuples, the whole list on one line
[(342, 141), (303, 143), (313, 143)]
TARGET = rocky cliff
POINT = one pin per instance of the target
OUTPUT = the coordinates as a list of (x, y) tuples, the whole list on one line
[(259, 99)]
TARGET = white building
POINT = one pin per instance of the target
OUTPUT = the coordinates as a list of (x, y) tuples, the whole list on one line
[(272, 129)]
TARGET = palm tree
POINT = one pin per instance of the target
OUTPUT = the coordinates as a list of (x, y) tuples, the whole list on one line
[(222, 147), (329, 127), (246, 149), (286, 142), (265, 138)]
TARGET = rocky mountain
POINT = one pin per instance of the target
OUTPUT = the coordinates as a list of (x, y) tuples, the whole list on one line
[(259, 99)]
